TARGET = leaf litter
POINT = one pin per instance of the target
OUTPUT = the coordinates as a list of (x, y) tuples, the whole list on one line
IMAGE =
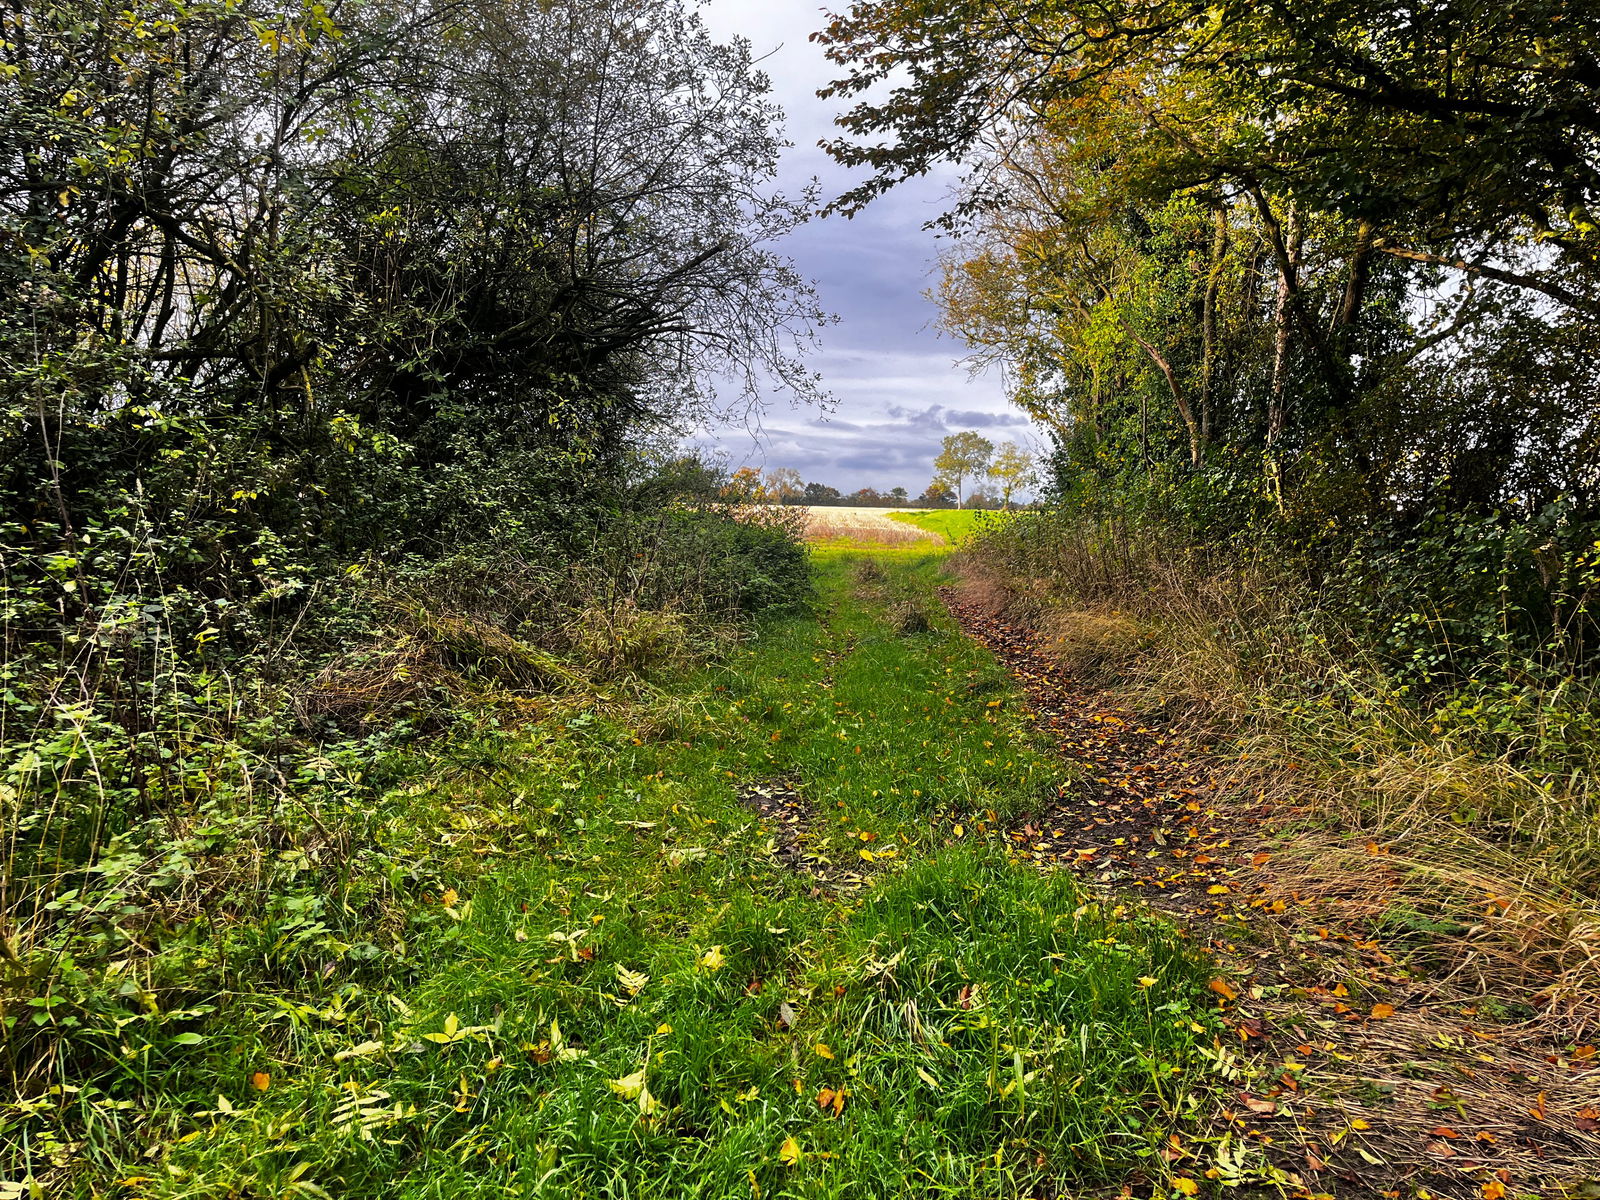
[(1346, 1059)]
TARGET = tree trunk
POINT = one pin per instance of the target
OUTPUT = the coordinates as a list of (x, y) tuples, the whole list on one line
[(1282, 320), (1178, 397), (1355, 288), (1208, 322)]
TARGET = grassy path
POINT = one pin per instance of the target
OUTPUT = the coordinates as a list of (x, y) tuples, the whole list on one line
[(629, 982)]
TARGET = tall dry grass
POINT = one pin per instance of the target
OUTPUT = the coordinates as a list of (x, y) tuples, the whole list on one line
[(1498, 849), (870, 525)]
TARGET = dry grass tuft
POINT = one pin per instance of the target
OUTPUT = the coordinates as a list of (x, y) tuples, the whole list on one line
[(907, 617), (1095, 647)]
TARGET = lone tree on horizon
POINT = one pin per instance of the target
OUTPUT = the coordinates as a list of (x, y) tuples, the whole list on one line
[(1012, 468), (965, 453)]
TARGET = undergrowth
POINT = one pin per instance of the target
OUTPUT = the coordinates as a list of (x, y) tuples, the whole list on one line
[(1423, 728)]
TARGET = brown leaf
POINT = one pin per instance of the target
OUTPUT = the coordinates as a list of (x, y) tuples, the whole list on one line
[(1588, 1118), (1442, 1149), (1257, 1105), (1443, 1131)]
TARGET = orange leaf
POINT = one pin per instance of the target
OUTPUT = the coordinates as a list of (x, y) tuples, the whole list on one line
[(1382, 1012), (260, 1080), (1221, 988), (1443, 1131), (1493, 1189), (1537, 1111)]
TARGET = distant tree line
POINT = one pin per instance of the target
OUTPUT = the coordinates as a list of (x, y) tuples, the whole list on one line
[(963, 456)]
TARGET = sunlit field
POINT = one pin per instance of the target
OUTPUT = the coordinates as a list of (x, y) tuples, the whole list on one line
[(874, 525)]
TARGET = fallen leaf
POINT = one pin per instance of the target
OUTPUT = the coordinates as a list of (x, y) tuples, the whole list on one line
[(786, 1015), (789, 1152), (1221, 988), (823, 1051), (1185, 1185), (1493, 1189), (713, 959), (1257, 1105), (1588, 1119), (260, 1080), (1382, 1012)]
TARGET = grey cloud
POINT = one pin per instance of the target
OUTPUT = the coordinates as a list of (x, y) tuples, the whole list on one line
[(897, 384)]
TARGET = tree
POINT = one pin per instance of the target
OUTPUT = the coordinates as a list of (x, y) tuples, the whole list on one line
[(963, 455), (784, 485), (936, 495), (899, 495), (1464, 125), (1012, 468), (820, 493), (744, 486), (867, 497)]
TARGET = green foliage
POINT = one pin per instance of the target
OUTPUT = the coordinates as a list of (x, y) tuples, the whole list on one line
[(566, 958)]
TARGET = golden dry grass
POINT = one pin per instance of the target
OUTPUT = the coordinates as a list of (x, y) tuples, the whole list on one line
[(871, 525)]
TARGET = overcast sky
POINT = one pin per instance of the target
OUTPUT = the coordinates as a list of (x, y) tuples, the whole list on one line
[(897, 383)]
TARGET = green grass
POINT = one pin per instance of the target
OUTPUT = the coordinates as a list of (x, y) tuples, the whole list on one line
[(484, 1027), (953, 524)]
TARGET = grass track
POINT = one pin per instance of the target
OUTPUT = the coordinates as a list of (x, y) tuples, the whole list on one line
[(990, 1034), (955, 525)]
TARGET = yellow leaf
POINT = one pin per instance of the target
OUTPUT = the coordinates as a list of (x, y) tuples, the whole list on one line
[(1185, 1185), (789, 1152), (867, 856), (663, 1029), (449, 898), (713, 960), (629, 1086), (959, 830), (823, 1051), (1360, 1123)]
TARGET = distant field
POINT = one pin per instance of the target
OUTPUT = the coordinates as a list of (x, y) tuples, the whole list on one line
[(952, 524), (868, 525)]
